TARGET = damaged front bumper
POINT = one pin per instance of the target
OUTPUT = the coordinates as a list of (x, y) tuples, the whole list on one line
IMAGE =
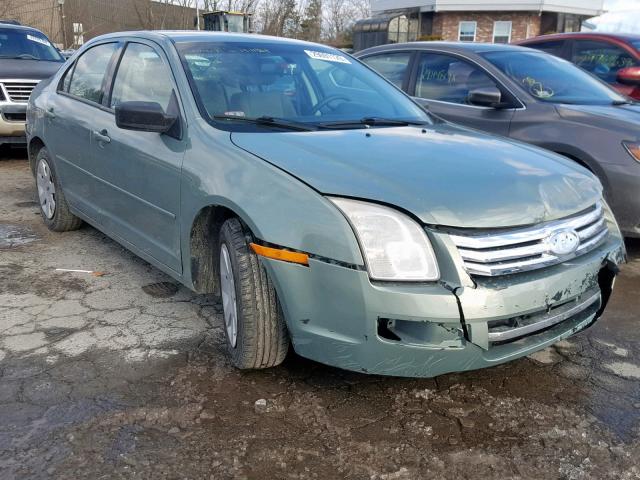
[(337, 316)]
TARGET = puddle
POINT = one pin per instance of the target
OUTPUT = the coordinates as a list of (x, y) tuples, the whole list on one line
[(15, 235)]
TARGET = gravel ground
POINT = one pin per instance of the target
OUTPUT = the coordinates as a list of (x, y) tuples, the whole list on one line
[(122, 375)]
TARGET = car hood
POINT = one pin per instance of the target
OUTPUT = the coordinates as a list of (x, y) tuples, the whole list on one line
[(444, 175), (606, 116), (27, 69)]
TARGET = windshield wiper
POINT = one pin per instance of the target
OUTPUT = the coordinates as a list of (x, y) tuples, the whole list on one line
[(269, 122), (372, 122), (22, 56)]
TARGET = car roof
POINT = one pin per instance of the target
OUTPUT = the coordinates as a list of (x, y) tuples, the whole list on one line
[(626, 37), (192, 35), (459, 47), (13, 26)]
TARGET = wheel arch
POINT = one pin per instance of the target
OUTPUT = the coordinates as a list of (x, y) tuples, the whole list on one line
[(587, 162), (34, 146), (202, 251)]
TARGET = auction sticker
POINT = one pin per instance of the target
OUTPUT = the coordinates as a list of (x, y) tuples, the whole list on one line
[(329, 57), (38, 40)]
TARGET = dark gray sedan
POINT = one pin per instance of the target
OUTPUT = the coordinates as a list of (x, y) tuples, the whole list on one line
[(529, 96)]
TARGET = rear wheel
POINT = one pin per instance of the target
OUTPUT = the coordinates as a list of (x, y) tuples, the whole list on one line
[(254, 324), (53, 206)]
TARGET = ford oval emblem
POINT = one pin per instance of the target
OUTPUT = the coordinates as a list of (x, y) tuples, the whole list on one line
[(563, 242)]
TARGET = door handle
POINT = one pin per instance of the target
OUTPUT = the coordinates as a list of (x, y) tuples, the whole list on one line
[(50, 113), (102, 136)]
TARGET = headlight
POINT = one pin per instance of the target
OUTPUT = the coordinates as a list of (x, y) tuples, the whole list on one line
[(633, 148), (395, 247)]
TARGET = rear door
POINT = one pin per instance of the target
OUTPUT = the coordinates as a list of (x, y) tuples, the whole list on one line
[(69, 118), (139, 172), (442, 82)]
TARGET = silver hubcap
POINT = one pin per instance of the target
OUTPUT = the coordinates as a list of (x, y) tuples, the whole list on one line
[(46, 189), (228, 287)]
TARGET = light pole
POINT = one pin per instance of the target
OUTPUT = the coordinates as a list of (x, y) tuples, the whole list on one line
[(62, 26)]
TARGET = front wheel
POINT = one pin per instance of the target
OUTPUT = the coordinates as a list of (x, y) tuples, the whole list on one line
[(254, 324)]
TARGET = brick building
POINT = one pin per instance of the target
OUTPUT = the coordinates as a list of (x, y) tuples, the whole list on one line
[(70, 23), (495, 21)]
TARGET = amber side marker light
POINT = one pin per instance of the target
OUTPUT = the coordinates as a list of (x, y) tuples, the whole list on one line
[(279, 254), (633, 148)]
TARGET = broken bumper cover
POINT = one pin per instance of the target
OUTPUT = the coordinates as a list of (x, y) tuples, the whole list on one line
[(337, 316)]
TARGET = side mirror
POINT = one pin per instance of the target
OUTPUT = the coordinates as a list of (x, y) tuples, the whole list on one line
[(485, 97), (629, 76), (144, 117)]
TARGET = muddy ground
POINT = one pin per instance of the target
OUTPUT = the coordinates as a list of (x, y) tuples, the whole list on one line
[(123, 376)]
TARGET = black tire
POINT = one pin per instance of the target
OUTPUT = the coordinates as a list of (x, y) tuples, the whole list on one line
[(262, 338), (62, 220)]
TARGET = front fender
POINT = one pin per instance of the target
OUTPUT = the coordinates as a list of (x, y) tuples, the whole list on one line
[(277, 207)]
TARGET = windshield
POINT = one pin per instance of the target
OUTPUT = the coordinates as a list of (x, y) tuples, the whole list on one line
[(551, 79), (636, 44), (28, 45), (306, 84)]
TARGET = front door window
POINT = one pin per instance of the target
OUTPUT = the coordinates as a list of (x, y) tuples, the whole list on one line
[(449, 79)]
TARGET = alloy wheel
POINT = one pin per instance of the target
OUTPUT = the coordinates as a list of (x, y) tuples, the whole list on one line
[(228, 288)]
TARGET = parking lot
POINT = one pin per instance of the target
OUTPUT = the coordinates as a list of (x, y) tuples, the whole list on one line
[(121, 374)]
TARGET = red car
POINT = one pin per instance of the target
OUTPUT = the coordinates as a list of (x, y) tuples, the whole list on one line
[(613, 57)]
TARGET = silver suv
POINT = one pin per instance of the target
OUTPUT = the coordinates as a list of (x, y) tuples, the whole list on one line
[(26, 57)]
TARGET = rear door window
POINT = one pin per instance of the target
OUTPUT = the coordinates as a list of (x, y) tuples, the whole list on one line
[(554, 47), (602, 59), (89, 73), (392, 66), (449, 79)]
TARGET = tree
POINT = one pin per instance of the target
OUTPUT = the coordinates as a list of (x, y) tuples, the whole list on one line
[(311, 25), (278, 17), (339, 17)]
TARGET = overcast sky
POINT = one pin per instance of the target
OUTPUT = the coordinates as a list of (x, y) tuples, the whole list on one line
[(613, 5), (623, 16)]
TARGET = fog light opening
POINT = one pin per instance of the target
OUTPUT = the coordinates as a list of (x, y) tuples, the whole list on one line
[(384, 329)]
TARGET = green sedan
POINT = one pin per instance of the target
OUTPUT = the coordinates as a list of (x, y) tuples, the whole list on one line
[(327, 209)]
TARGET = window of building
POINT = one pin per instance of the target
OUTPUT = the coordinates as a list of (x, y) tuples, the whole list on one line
[(467, 31), (449, 79), (78, 34), (502, 32)]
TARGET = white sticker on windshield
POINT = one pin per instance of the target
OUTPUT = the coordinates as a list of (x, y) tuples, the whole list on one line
[(329, 57), (33, 38)]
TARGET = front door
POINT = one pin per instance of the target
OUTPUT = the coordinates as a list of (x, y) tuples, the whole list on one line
[(140, 171), (443, 82)]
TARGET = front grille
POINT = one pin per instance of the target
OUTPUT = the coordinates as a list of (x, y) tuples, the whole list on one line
[(504, 331), (18, 90), (518, 250)]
